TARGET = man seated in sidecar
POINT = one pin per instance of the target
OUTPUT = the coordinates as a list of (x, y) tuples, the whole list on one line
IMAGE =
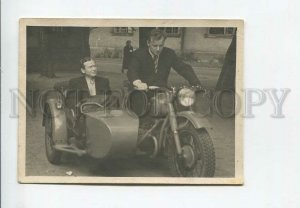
[(88, 87)]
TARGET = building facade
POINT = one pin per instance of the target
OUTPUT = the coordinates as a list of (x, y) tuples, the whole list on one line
[(201, 44), (52, 49)]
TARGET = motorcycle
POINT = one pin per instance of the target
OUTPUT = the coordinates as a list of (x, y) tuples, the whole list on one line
[(157, 122)]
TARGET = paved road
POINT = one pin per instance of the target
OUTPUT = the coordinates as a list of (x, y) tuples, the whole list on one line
[(37, 164)]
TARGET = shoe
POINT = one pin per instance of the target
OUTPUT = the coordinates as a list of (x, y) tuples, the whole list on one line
[(78, 142)]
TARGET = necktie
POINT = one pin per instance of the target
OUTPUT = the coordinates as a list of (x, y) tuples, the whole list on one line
[(155, 60)]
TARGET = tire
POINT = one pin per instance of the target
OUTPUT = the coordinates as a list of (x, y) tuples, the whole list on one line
[(199, 143), (53, 155)]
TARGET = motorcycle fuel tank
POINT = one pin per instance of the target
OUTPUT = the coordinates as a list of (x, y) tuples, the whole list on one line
[(111, 134)]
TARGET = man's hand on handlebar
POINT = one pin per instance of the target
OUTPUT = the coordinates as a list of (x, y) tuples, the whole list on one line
[(139, 85)]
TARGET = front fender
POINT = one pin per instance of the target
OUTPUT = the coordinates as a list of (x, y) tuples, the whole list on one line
[(59, 122), (197, 121), (194, 119), (49, 98)]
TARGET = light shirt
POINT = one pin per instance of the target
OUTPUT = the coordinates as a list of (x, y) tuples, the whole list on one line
[(91, 85)]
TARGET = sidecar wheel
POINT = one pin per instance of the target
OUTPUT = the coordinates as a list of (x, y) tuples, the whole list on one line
[(53, 155), (198, 159)]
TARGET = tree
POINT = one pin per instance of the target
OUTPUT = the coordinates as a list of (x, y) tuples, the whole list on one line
[(55, 51), (227, 76)]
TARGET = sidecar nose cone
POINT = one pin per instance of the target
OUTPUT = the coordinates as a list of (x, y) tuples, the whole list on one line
[(112, 134)]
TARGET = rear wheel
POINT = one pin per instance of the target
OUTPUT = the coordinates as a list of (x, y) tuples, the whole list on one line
[(198, 156), (52, 154)]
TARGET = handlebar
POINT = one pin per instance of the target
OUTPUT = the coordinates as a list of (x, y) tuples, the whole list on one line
[(153, 87), (148, 88), (198, 87), (171, 91)]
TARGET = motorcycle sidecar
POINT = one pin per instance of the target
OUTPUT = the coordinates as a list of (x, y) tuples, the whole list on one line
[(109, 133)]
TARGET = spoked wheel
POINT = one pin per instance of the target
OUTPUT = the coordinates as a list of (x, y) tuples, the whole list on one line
[(198, 156), (53, 155)]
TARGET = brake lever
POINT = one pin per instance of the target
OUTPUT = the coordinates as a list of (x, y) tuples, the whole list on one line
[(207, 92)]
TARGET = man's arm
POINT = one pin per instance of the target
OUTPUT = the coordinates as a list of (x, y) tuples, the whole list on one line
[(185, 70), (77, 90), (133, 69), (125, 52), (133, 73)]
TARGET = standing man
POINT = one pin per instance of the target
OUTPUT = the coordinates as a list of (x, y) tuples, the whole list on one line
[(127, 53), (152, 65)]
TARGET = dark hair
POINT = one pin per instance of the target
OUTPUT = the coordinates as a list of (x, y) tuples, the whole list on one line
[(83, 60), (128, 41), (157, 34)]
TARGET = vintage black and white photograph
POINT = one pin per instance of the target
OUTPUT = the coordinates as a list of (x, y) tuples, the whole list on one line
[(130, 101)]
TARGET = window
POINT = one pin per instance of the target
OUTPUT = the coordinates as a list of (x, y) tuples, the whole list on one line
[(172, 31), (123, 31), (215, 32), (57, 29)]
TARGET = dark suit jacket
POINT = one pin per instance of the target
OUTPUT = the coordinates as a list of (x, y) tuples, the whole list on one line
[(142, 67), (78, 89), (127, 53)]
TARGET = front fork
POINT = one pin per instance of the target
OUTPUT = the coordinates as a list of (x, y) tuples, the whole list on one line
[(174, 125)]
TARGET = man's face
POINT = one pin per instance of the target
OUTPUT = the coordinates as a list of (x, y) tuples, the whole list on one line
[(156, 46), (90, 69)]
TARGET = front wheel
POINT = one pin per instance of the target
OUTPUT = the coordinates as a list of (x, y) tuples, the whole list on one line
[(198, 156)]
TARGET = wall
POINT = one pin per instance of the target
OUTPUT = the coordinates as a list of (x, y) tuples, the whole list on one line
[(207, 51), (102, 39), (174, 43), (195, 40)]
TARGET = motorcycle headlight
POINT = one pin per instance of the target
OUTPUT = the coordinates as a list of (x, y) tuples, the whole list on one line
[(186, 97)]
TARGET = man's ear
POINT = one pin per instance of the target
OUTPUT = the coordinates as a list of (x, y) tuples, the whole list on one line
[(148, 42), (82, 71)]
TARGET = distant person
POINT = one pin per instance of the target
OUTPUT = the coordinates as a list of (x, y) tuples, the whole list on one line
[(127, 54), (151, 66)]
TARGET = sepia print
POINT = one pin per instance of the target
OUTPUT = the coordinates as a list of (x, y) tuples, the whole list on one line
[(130, 101)]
